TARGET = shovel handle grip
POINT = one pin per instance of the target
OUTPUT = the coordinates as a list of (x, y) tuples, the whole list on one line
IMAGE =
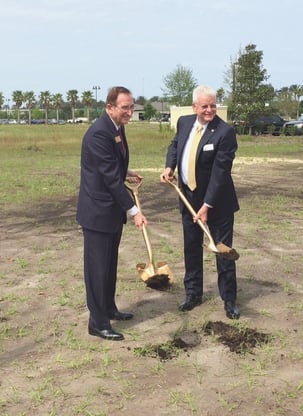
[(133, 186)]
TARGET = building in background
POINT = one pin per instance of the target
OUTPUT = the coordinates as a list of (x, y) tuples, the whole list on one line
[(176, 112), (171, 114)]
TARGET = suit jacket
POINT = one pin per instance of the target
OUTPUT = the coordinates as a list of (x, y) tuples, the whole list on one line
[(103, 197), (215, 155)]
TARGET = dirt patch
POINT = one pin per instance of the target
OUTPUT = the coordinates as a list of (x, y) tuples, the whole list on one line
[(171, 363), (237, 339), (172, 349)]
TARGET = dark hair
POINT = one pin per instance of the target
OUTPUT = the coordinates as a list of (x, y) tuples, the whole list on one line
[(113, 94)]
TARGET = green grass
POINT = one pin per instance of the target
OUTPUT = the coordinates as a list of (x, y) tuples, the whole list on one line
[(49, 363), (42, 162), (38, 162), (270, 146)]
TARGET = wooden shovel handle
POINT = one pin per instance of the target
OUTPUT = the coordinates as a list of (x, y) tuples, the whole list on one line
[(133, 187), (193, 212)]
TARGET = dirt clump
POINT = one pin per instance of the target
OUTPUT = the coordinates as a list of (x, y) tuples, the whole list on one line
[(237, 339)]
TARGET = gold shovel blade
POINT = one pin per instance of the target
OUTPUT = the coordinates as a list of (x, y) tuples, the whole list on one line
[(163, 268), (144, 271), (161, 279), (224, 251)]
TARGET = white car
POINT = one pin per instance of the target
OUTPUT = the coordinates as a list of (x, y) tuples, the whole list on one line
[(294, 128)]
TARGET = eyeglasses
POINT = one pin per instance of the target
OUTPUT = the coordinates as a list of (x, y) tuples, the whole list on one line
[(206, 106), (125, 108)]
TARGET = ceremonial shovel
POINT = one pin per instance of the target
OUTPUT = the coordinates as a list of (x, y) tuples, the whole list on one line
[(220, 248), (156, 277)]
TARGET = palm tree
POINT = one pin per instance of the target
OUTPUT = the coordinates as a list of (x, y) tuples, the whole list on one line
[(57, 100), (220, 95), (297, 91), (30, 100), (87, 99), (18, 98), (45, 102), (72, 98), (1, 99)]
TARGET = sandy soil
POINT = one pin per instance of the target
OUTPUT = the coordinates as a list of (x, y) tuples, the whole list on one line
[(170, 363)]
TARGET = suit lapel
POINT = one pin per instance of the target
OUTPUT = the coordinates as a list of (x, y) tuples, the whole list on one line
[(187, 130), (208, 134)]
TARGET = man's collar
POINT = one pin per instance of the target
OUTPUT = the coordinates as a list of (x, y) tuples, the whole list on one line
[(117, 127)]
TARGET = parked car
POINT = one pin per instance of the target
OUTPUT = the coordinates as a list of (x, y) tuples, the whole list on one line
[(78, 120), (37, 121), (165, 117), (268, 125), (294, 127), (261, 125), (52, 121)]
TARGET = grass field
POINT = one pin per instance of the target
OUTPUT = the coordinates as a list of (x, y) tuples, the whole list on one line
[(40, 162), (171, 363)]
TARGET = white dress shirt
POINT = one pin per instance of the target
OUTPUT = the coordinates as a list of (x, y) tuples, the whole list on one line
[(186, 152)]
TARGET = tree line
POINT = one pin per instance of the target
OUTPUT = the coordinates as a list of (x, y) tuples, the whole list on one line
[(247, 94), (51, 104)]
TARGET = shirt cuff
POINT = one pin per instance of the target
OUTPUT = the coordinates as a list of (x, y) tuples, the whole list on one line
[(133, 211)]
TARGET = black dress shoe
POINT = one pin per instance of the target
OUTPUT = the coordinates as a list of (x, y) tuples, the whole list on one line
[(232, 310), (121, 316), (190, 302), (106, 334)]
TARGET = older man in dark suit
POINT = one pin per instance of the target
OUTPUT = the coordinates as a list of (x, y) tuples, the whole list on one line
[(203, 150), (102, 209)]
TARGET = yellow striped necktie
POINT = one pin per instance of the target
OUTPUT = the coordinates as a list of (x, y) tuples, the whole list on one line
[(191, 175)]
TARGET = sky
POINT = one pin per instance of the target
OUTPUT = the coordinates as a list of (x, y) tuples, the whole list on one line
[(59, 45)]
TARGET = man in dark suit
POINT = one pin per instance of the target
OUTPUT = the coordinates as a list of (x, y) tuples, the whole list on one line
[(103, 205), (204, 161)]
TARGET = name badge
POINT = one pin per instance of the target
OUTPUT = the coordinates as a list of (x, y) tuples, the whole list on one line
[(208, 147), (117, 139)]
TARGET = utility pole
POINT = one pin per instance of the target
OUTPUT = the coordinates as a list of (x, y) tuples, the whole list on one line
[(96, 88)]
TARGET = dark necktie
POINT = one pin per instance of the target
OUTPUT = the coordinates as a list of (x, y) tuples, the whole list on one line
[(122, 140)]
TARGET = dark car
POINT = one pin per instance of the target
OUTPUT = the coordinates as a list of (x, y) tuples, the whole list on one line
[(268, 125), (37, 121), (165, 117), (293, 128)]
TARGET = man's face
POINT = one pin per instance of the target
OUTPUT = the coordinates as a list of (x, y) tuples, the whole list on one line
[(123, 110), (206, 108)]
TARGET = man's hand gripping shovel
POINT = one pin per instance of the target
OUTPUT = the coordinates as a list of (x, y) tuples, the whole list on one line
[(219, 249)]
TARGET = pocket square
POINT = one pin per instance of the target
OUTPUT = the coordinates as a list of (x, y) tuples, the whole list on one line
[(208, 147)]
